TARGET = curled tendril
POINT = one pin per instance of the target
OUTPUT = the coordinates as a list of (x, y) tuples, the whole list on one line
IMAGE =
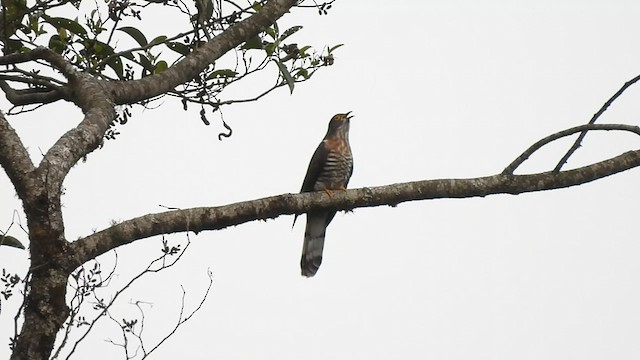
[(222, 134)]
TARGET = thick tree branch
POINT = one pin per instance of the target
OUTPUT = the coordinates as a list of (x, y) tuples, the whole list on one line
[(14, 158), (188, 68), (84, 138), (215, 218), (45, 310)]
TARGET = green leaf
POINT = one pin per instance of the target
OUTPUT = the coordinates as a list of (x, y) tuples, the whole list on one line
[(160, 67), (116, 65), (205, 9), (136, 34), (158, 40), (63, 34), (10, 241), (223, 73), (33, 23), (128, 55), (256, 6), (290, 31), (146, 64), (331, 49), (13, 46), (272, 32), (270, 48), (56, 44), (253, 43), (286, 75), (303, 51), (180, 48), (302, 72), (71, 25), (102, 49)]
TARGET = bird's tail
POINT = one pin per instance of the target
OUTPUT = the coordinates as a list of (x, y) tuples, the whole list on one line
[(313, 244)]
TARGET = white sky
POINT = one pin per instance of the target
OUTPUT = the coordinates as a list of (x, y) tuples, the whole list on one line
[(439, 90)]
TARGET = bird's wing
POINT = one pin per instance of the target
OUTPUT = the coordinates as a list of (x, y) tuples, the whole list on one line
[(316, 165), (349, 176), (313, 171)]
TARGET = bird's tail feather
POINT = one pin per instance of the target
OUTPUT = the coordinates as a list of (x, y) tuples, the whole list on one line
[(313, 244)]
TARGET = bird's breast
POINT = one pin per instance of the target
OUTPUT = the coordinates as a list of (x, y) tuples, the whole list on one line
[(335, 171)]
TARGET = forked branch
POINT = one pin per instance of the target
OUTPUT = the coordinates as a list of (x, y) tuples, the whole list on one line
[(595, 117), (582, 128)]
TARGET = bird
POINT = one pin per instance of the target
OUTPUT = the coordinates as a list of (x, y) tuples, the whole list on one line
[(330, 169)]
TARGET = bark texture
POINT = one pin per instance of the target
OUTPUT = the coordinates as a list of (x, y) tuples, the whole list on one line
[(53, 257)]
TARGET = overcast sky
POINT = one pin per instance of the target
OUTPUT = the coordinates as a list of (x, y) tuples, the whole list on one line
[(453, 89)]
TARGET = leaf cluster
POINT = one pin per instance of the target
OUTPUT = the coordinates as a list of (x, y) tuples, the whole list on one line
[(121, 42)]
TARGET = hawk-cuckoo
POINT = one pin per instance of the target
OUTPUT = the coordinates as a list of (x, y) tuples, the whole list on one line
[(330, 169)]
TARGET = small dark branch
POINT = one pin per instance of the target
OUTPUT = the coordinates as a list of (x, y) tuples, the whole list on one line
[(182, 320), (141, 322), (315, 4), (15, 159), (229, 102), (29, 75), (595, 117), (125, 341), (14, 110), (582, 128), (215, 218), (29, 81), (42, 53), (33, 96), (20, 312)]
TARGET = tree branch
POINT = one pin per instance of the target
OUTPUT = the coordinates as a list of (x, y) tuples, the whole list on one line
[(215, 218), (582, 128), (42, 53), (32, 96), (14, 158), (129, 92), (84, 138), (595, 117)]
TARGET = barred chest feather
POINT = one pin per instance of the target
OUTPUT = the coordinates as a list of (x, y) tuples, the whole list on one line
[(337, 169)]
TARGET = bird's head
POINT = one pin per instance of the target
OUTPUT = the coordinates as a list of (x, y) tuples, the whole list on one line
[(339, 123)]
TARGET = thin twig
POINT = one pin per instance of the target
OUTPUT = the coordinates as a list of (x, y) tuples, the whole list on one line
[(33, 75), (25, 293), (582, 128), (595, 117), (149, 269), (182, 320)]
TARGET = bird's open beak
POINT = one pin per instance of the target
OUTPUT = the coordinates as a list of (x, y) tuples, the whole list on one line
[(349, 117)]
